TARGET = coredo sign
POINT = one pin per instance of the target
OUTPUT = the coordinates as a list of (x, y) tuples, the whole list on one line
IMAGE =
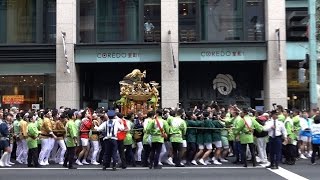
[(12, 99)]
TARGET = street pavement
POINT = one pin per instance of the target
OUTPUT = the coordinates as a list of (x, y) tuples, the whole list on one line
[(228, 171)]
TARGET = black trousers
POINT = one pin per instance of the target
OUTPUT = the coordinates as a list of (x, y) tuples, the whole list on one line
[(155, 153), (244, 153), (129, 155), (69, 156), (102, 151), (111, 149), (315, 149), (146, 154), (176, 147), (121, 153), (289, 152), (33, 157), (191, 151)]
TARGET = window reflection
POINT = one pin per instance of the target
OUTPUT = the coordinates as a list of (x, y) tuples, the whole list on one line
[(221, 20), (27, 21), (152, 24)]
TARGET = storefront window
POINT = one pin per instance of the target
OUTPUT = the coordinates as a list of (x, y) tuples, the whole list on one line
[(221, 20), (27, 21), (108, 21), (25, 91)]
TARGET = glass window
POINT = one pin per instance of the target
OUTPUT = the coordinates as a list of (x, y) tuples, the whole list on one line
[(221, 20), (117, 20), (188, 21), (23, 91), (104, 21), (297, 23), (27, 21), (152, 21)]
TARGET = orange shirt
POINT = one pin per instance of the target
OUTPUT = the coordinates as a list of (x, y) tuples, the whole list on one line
[(23, 129), (46, 128)]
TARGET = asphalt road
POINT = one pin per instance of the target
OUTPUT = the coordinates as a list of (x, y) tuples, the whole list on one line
[(302, 170)]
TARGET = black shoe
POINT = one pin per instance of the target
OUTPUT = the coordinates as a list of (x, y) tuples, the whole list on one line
[(150, 166), (254, 165), (104, 168), (274, 167), (72, 167), (179, 165), (158, 167), (270, 166), (235, 162), (124, 167), (114, 168), (245, 165), (30, 165), (65, 165)]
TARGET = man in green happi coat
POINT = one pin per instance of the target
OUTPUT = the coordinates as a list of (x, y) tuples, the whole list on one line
[(71, 139), (32, 141)]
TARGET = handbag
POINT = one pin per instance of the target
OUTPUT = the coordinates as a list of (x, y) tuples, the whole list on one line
[(163, 134)]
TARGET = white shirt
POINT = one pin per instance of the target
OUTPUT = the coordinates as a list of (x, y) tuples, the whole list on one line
[(280, 129), (305, 123), (112, 133), (315, 129)]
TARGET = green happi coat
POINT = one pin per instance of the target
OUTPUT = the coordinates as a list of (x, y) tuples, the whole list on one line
[(146, 136), (246, 136), (281, 117), (178, 129), (154, 130), (216, 133), (32, 135), (288, 123), (71, 133), (207, 133), (128, 140), (191, 134)]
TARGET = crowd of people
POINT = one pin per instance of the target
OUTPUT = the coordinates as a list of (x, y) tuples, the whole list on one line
[(201, 136)]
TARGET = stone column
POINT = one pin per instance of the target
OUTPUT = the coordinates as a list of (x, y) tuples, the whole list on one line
[(67, 87), (275, 79), (169, 42)]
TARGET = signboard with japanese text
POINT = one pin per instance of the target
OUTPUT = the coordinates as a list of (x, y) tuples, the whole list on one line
[(13, 99)]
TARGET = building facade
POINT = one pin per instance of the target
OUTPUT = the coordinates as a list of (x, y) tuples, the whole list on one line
[(243, 52)]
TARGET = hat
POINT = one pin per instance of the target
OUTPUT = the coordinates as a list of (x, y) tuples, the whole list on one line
[(111, 113), (265, 114)]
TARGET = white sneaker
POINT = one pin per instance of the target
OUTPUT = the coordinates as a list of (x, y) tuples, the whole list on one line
[(85, 162), (308, 155), (7, 165), (46, 163), (302, 156), (11, 163), (258, 160), (42, 163), (61, 163), (95, 163), (194, 162), (223, 160), (230, 154), (217, 162), (78, 162), (202, 162), (26, 162), (19, 161), (207, 162), (160, 164), (184, 162), (170, 162), (1, 164)]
